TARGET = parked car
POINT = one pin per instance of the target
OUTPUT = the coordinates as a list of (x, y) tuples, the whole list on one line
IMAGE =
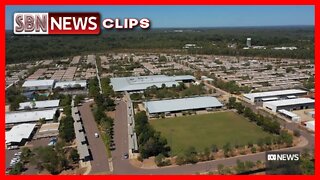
[(96, 135), (126, 156), (13, 147), (52, 143)]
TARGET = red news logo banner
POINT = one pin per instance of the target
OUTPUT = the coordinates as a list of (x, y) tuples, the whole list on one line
[(56, 23)]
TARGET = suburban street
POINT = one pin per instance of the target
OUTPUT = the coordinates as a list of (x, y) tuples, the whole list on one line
[(121, 140), (99, 162)]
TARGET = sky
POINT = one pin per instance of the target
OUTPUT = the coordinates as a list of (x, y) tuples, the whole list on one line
[(189, 16)]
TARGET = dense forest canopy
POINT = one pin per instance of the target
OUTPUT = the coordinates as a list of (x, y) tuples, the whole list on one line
[(212, 40)]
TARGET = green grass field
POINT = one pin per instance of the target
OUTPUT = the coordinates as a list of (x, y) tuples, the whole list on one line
[(202, 131)]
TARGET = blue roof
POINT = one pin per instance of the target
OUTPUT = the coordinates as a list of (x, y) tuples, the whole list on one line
[(143, 82), (171, 105)]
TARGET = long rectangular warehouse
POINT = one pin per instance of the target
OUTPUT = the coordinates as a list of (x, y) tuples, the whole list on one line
[(143, 82), (257, 97), (39, 104), (176, 105), (35, 85), (289, 104), (29, 116)]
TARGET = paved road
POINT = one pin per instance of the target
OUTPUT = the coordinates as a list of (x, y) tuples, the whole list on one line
[(120, 139), (98, 150)]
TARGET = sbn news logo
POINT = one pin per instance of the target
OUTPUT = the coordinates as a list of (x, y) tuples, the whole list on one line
[(71, 23), (283, 156)]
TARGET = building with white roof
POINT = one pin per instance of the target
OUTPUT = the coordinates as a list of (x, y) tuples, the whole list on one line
[(19, 133), (143, 82), (39, 104), (292, 116), (29, 116), (257, 97), (35, 85), (184, 104), (71, 84), (289, 104)]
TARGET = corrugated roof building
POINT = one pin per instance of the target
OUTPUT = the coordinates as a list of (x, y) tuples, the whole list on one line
[(29, 116), (143, 82), (289, 104), (39, 104), (176, 105), (19, 133)]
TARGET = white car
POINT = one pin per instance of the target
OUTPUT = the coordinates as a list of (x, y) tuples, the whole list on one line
[(96, 135)]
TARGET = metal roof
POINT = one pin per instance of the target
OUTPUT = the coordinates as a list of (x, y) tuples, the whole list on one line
[(19, 132), (40, 104), (288, 113), (274, 93), (34, 83), (29, 116), (270, 99), (288, 102), (181, 104), (143, 82), (71, 84)]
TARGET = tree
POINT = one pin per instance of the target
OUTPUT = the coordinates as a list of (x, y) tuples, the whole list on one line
[(17, 169), (26, 154), (42, 120), (231, 102), (227, 149), (191, 155), (180, 160), (296, 133), (214, 148), (220, 168), (74, 156), (47, 158), (253, 150), (240, 167)]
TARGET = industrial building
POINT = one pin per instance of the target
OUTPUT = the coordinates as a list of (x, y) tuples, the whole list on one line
[(289, 104), (274, 95), (39, 104), (82, 84), (29, 116), (184, 104), (143, 82), (19, 134), (38, 85)]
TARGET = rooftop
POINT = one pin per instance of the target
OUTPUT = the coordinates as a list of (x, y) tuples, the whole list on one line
[(40, 104), (33, 83), (29, 116), (70, 84), (181, 104), (19, 132), (274, 93), (143, 82), (288, 102)]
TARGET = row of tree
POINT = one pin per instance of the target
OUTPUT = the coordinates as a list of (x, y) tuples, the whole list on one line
[(39, 47), (269, 125), (66, 128), (150, 142)]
